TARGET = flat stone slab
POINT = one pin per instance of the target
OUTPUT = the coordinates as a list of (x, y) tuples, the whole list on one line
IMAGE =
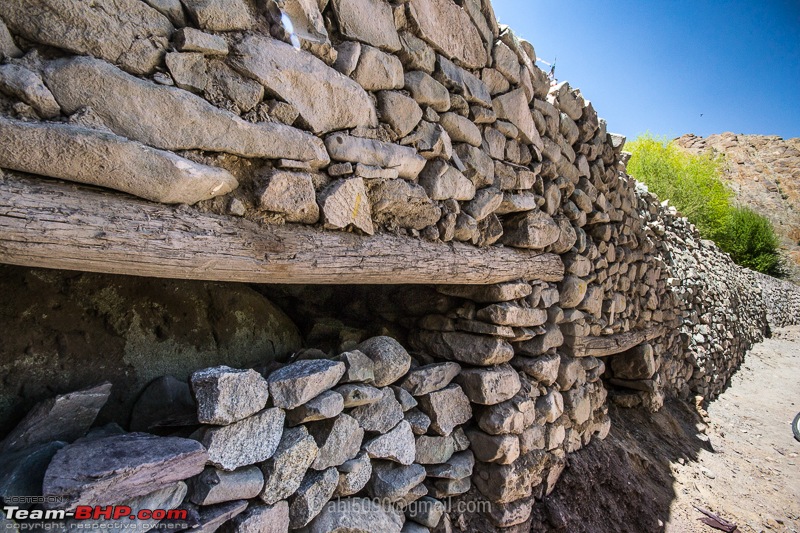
[(429, 378), (301, 381), (343, 147), (478, 350), (88, 156), (63, 418), (326, 99), (126, 32), (120, 99), (108, 470), (226, 395), (249, 441)]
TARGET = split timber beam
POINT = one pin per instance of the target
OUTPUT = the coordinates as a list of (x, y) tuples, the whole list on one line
[(610, 344), (53, 224)]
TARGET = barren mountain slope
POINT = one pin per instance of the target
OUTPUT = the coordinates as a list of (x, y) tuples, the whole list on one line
[(764, 172)]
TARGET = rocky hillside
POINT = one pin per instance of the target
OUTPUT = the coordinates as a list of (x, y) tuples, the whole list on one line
[(764, 172)]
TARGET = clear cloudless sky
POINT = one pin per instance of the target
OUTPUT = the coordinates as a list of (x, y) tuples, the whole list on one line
[(673, 66)]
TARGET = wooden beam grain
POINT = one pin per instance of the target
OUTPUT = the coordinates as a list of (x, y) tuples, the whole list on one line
[(52, 224)]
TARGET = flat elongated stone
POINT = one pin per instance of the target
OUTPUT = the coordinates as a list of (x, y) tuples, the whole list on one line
[(299, 382), (391, 359), (226, 395), (120, 100), (478, 350), (218, 486), (552, 338), (448, 28), (338, 439), (326, 99), (126, 32), (89, 156), (509, 314), (249, 441), (461, 129), (326, 405), (165, 498), (65, 418), (364, 516), (108, 470), (429, 378), (284, 472), (381, 416), (396, 445), (368, 21), (211, 517), (343, 147), (499, 292), (192, 40), (314, 492), (447, 409), (392, 482), (488, 386)]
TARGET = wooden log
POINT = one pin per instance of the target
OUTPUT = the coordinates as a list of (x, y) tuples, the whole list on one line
[(609, 344), (52, 224)]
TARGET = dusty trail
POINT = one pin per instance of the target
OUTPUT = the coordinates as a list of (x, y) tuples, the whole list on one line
[(738, 460)]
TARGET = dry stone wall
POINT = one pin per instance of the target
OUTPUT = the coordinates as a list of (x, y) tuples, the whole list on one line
[(420, 117)]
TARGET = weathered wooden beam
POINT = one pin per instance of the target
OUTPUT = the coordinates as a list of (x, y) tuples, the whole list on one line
[(52, 224), (609, 344)]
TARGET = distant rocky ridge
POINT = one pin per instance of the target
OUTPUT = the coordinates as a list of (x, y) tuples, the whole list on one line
[(764, 172)]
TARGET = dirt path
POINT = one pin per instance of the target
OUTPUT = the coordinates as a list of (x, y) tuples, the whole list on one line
[(739, 460), (753, 475)]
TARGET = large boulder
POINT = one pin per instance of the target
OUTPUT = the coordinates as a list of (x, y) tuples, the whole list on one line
[(448, 28)]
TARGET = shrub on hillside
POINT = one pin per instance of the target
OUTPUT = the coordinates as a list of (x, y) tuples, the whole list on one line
[(751, 240), (693, 184)]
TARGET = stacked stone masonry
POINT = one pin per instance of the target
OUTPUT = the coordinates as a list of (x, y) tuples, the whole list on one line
[(423, 118)]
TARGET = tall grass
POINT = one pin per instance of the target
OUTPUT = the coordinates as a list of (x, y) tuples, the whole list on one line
[(693, 184)]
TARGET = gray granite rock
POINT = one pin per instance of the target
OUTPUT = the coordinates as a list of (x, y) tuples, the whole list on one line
[(447, 408), (314, 492), (488, 386), (381, 416), (218, 486), (356, 394), (396, 445), (362, 516), (353, 475), (390, 358), (326, 405), (284, 472), (429, 378), (297, 383), (260, 518), (391, 482), (338, 439), (249, 441), (226, 395)]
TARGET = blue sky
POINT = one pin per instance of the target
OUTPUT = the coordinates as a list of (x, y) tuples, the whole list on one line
[(658, 65)]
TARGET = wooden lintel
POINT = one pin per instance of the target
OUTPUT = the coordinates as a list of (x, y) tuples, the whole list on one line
[(53, 224), (610, 344)]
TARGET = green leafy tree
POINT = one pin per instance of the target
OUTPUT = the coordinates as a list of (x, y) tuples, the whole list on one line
[(693, 184)]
